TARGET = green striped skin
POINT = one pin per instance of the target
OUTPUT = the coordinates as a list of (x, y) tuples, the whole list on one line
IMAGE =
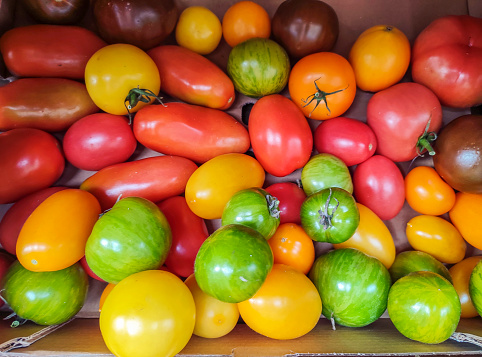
[(258, 67), (353, 286), (46, 298), (233, 263), (414, 260), (424, 307), (475, 287), (133, 236)]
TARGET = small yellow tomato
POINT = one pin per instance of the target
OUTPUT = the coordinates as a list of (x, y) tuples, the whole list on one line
[(460, 273)]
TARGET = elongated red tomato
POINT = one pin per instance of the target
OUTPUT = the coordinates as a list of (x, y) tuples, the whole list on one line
[(280, 135), (190, 131)]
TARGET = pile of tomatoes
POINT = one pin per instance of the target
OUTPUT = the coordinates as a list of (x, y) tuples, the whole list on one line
[(149, 115)]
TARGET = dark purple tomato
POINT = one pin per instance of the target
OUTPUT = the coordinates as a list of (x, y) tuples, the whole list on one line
[(56, 12)]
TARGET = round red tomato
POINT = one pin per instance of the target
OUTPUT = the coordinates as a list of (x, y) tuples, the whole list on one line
[(290, 197)]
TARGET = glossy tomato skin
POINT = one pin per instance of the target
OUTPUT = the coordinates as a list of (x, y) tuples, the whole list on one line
[(399, 116), (50, 104), (154, 178), (461, 273), (280, 135), (56, 12), (465, 216), (291, 197), (28, 145), (192, 78), (191, 131), (415, 260), (85, 266), (49, 50), (378, 184), (349, 139)]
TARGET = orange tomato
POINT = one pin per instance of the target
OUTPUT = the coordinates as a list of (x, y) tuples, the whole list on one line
[(460, 273), (437, 237), (466, 216), (292, 246), (245, 20), (380, 57), (427, 193), (323, 85), (53, 237), (372, 237), (104, 294)]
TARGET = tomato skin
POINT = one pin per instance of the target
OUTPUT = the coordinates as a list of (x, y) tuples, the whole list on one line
[(31, 160), (85, 266), (192, 131), (48, 50), (154, 178), (56, 12), (465, 216), (6, 260), (291, 197), (460, 273)]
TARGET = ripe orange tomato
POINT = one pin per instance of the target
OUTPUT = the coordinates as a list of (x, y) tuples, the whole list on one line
[(380, 57), (245, 20), (427, 193), (466, 216), (323, 85), (460, 273)]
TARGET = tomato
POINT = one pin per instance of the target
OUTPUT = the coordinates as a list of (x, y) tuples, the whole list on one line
[(89, 271), (104, 294), (323, 85), (48, 50), (50, 104), (446, 58), (137, 311), (378, 184), (214, 318), (292, 246), (460, 273), (380, 57), (287, 305), (198, 29), (56, 12), (475, 287), (244, 20), (427, 193), (53, 237), (351, 140), (465, 216), (437, 237), (6, 260), (404, 118), (372, 237), (154, 178), (191, 131), (181, 77), (290, 197), (31, 160), (211, 186), (304, 27), (188, 234), (280, 135), (113, 71), (99, 140)]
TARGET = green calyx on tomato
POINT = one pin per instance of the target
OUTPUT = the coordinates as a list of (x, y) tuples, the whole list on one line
[(425, 141), (319, 96), (137, 95)]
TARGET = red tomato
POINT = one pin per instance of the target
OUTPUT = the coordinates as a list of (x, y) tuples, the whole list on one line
[(192, 131), (378, 184), (351, 140), (5, 261), (290, 197), (99, 140), (280, 135), (188, 234), (400, 115), (87, 269), (31, 160)]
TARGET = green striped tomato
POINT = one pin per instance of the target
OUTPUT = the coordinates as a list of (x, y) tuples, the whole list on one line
[(475, 287)]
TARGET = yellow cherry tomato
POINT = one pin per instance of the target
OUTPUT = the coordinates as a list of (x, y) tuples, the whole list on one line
[(466, 215), (104, 295), (460, 273)]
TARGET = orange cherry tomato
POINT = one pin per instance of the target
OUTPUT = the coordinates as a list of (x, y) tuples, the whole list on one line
[(104, 294), (292, 246), (460, 273), (466, 216), (323, 85), (427, 193)]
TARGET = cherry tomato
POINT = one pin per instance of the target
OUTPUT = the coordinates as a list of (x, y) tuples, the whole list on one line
[(460, 273), (104, 294), (465, 216), (290, 197)]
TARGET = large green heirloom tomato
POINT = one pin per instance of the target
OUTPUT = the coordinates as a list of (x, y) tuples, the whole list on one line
[(353, 286), (233, 263), (475, 287), (46, 298), (131, 237), (255, 208)]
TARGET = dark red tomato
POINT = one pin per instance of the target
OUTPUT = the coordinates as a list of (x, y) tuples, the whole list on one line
[(87, 269), (402, 117), (378, 184), (5, 261), (188, 234), (290, 197), (49, 50), (59, 12), (154, 178), (351, 140), (281, 137), (30, 160), (192, 131), (99, 140), (50, 104), (15, 217)]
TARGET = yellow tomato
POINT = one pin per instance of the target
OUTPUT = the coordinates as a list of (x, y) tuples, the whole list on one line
[(380, 57), (104, 295), (460, 273), (436, 236), (466, 215), (199, 30), (372, 237)]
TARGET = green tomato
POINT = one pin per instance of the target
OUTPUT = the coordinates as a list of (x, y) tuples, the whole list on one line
[(475, 287), (414, 260)]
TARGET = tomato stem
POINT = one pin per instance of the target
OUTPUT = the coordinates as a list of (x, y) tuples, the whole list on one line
[(273, 205), (325, 217), (137, 95), (319, 96), (425, 141)]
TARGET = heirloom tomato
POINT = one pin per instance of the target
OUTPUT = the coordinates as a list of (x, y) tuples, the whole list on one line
[(465, 216), (291, 197), (415, 260), (460, 273), (89, 271), (56, 12), (475, 287)]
